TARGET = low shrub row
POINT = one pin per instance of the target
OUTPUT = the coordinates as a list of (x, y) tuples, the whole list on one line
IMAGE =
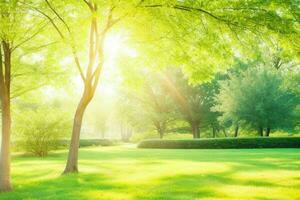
[(223, 143), (90, 142)]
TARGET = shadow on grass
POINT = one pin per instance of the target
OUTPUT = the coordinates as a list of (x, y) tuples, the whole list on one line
[(75, 186), (160, 174)]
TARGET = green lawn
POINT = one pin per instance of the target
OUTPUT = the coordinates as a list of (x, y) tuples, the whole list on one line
[(129, 173)]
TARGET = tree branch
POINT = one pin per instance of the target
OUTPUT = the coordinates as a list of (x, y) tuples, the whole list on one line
[(27, 90), (74, 52), (30, 37), (189, 9), (88, 4)]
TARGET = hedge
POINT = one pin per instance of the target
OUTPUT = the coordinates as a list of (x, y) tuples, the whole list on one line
[(90, 142), (223, 143)]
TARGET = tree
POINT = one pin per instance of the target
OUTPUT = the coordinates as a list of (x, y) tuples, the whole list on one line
[(257, 98), (5, 73), (208, 91), (188, 98), (154, 103), (209, 35), (211, 15), (17, 35), (95, 64)]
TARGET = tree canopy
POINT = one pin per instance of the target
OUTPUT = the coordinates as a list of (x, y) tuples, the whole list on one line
[(192, 64)]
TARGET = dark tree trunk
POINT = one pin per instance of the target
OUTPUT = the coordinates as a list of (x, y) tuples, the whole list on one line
[(217, 131), (195, 131), (260, 131), (72, 163), (224, 131), (236, 131), (161, 134), (5, 184), (214, 132), (268, 131)]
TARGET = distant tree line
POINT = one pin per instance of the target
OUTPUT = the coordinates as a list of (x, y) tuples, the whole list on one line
[(253, 95)]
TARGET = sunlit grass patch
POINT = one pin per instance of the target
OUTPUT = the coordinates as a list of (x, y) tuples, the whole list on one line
[(128, 173)]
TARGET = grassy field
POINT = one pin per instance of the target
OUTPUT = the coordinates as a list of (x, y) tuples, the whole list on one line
[(125, 172)]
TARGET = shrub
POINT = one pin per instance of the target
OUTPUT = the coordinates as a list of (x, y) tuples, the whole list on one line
[(137, 137), (224, 143), (39, 131), (89, 142), (95, 142)]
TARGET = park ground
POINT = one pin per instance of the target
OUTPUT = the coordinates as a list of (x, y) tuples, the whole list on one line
[(127, 173)]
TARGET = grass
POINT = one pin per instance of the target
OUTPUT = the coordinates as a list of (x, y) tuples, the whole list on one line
[(124, 172)]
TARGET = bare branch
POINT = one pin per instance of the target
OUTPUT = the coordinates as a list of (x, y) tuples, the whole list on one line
[(30, 37), (51, 21), (92, 48), (60, 18), (74, 52), (1, 71), (189, 9), (26, 90), (88, 4)]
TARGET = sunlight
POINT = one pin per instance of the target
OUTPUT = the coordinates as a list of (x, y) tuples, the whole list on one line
[(116, 45), (112, 45)]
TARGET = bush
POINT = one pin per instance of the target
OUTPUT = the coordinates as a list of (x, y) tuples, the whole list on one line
[(224, 143), (89, 142), (95, 142), (137, 137), (39, 131)]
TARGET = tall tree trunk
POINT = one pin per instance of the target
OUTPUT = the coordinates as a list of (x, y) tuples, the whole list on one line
[(261, 131), (5, 184), (93, 71), (268, 131), (72, 163), (236, 131)]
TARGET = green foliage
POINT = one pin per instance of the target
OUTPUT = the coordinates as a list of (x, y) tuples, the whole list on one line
[(142, 136), (39, 131), (147, 105), (224, 143), (257, 98), (95, 142)]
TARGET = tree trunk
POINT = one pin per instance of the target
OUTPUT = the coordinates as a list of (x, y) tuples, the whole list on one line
[(102, 134), (224, 131), (72, 163), (196, 131), (160, 128), (236, 131), (163, 129), (268, 131), (161, 134), (5, 184), (214, 132), (261, 131)]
